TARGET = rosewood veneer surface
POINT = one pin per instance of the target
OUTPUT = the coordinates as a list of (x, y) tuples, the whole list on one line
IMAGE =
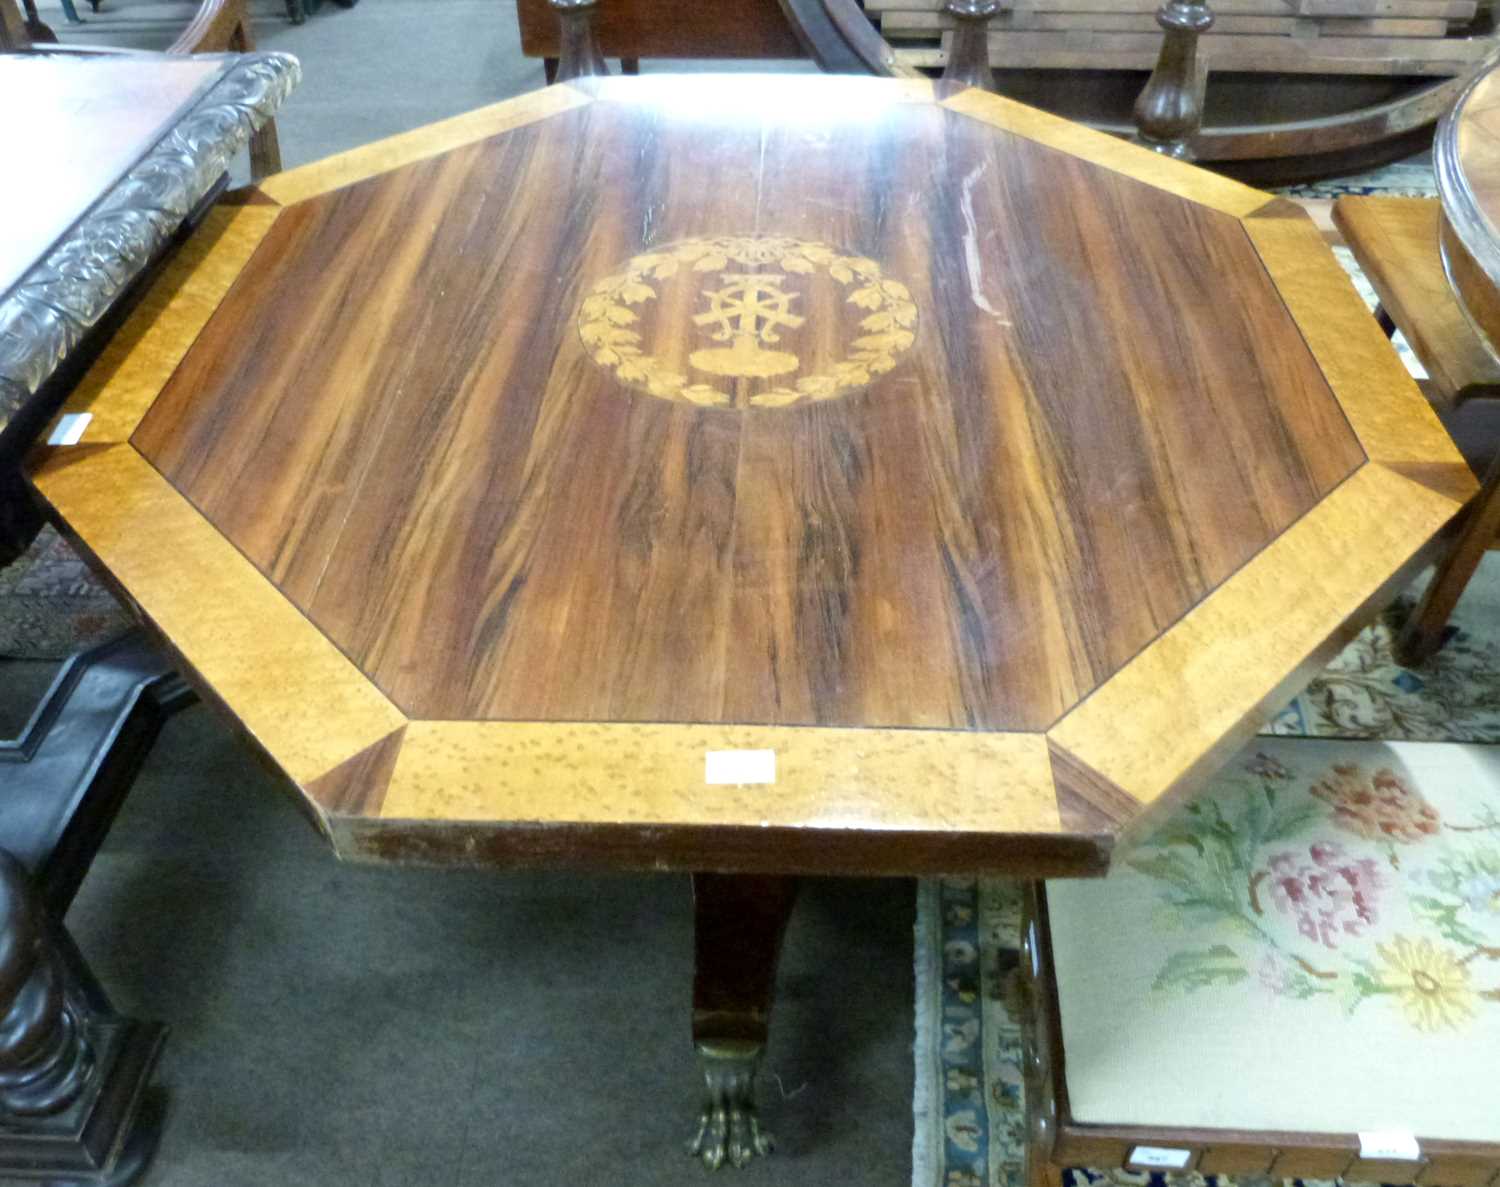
[(997, 475)]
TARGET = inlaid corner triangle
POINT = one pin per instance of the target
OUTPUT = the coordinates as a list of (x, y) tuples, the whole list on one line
[(344, 169), (357, 786), (1087, 802)]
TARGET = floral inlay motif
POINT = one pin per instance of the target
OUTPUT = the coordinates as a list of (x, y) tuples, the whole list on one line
[(748, 286)]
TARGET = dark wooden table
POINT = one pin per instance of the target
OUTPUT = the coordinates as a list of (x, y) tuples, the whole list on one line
[(107, 156), (756, 477)]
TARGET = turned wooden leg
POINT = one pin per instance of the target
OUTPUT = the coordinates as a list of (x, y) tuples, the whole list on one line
[(1169, 110), (36, 28), (71, 1078), (578, 52), (45, 1058), (969, 55), (1423, 633), (740, 922), (1039, 1028)]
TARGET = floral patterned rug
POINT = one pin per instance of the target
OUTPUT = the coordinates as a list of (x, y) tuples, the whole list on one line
[(969, 1112)]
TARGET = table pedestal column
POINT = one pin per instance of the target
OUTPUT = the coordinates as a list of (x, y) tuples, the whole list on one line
[(72, 1074), (739, 925)]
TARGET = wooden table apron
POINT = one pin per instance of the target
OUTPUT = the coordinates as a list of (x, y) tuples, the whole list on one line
[(998, 476)]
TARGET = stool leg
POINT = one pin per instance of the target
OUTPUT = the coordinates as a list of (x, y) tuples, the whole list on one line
[(71, 13), (739, 922), (1423, 633)]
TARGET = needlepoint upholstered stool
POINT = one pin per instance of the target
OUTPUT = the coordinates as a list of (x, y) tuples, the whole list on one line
[(1298, 974)]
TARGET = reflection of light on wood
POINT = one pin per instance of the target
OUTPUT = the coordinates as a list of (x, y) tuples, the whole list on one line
[(747, 310)]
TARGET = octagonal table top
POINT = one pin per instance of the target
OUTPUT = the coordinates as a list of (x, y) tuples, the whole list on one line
[(779, 473)]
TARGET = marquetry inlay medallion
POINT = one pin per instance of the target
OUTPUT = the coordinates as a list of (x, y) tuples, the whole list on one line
[(748, 322)]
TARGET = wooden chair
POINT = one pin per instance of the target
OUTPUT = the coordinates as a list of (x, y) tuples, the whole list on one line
[(1395, 241), (219, 26), (1298, 975), (223, 26)]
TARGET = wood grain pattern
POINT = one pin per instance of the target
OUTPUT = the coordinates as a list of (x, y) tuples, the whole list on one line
[(1394, 423), (1466, 160), (144, 352), (1167, 720), (1110, 152), (927, 453), (263, 657), (827, 780), (395, 151), (1478, 294), (1395, 242), (854, 559)]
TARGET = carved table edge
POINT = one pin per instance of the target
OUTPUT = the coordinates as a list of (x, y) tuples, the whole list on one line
[(45, 313)]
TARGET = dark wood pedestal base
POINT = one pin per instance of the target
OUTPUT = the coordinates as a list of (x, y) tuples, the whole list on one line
[(73, 1074), (740, 922)]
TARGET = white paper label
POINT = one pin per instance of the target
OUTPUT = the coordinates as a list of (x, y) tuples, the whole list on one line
[(70, 426), (1160, 1156), (739, 766), (1395, 1144)]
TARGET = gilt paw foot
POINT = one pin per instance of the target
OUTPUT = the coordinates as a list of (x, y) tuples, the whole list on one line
[(728, 1128)]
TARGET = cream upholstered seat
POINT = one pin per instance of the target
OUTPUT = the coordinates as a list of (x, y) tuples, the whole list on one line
[(1311, 946)]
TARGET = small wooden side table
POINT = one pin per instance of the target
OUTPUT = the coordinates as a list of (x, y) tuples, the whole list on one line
[(1436, 268)]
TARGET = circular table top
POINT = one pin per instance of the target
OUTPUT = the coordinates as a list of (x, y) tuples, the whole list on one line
[(1466, 162), (753, 473)]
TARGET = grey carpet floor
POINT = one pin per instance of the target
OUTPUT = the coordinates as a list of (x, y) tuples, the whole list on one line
[(341, 1025)]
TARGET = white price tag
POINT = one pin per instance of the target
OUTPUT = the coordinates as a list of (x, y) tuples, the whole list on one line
[(739, 766), (70, 426), (1392, 1144), (1162, 1156)]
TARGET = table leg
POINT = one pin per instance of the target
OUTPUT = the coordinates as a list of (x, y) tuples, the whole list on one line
[(1040, 1048), (1423, 633), (740, 922), (71, 1078)]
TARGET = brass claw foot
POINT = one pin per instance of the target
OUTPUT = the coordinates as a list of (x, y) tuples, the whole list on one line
[(728, 1128)]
